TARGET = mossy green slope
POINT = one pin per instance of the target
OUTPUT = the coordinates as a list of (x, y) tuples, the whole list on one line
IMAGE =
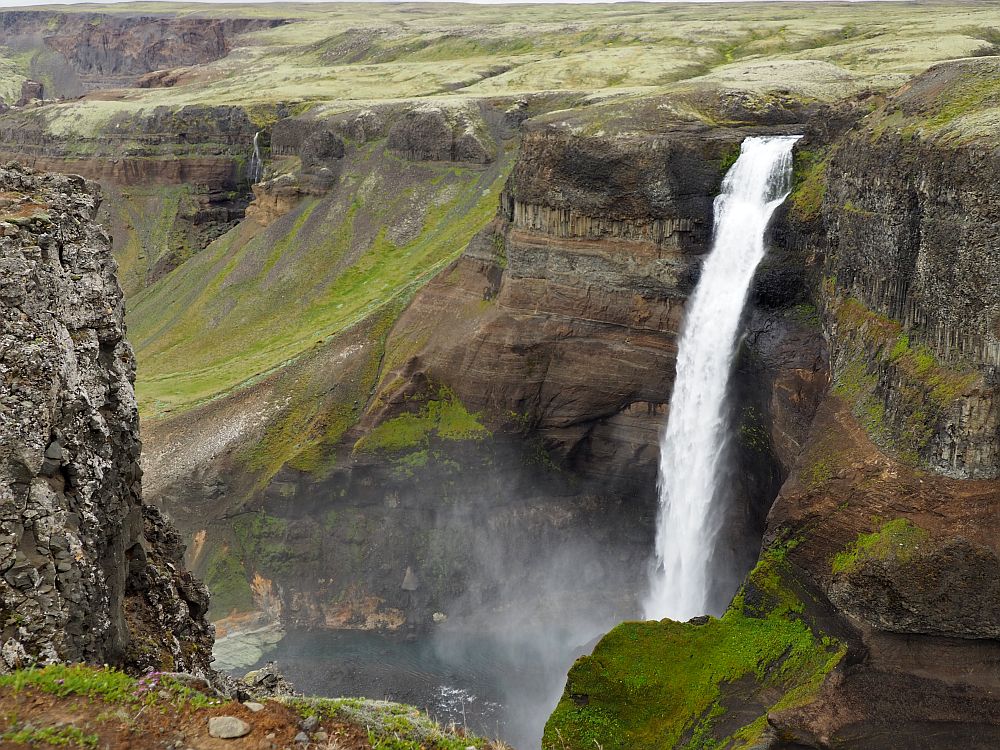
[(255, 299), (149, 231), (660, 685)]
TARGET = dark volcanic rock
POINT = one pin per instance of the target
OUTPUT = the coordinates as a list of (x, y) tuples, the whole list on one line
[(434, 134), (89, 573)]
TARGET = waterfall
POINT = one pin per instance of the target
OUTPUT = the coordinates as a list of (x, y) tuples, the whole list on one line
[(694, 440), (255, 169)]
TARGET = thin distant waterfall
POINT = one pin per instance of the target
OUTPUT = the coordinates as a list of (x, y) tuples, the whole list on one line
[(255, 169), (695, 437)]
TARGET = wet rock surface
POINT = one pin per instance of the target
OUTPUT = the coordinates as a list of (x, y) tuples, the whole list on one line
[(88, 572)]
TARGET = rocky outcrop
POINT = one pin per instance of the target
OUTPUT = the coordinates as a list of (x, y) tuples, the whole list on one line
[(89, 572), (467, 133), (433, 134), (30, 91)]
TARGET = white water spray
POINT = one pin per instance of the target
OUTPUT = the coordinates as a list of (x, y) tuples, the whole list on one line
[(695, 437), (255, 169)]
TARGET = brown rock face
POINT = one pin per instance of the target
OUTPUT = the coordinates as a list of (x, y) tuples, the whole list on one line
[(891, 516), (89, 572), (909, 562)]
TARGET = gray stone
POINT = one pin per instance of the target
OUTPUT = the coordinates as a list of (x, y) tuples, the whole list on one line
[(62, 333), (302, 738), (410, 581), (254, 706), (310, 723), (228, 727)]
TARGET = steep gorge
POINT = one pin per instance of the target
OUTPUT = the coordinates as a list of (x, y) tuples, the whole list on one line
[(426, 375)]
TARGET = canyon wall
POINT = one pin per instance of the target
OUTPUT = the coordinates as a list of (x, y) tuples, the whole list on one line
[(501, 429), (870, 619), (71, 53), (90, 573)]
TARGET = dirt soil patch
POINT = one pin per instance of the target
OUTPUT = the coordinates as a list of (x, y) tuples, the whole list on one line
[(29, 718)]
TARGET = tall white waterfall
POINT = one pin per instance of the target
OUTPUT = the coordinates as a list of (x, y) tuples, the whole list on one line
[(255, 169), (695, 437)]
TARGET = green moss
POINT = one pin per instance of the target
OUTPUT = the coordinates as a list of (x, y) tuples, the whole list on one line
[(895, 540), (263, 542), (924, 388), (649, 684), (808, 183), (729, 157), (444, 417), (500, 244), (806, 314), (307, 432), (753, 432), (226, 578)]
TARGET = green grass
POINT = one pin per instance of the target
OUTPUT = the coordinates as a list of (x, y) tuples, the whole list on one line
[(391, 726), (105, 684), (444, 417), (62, 680), (895, 540), (649, 684), (249, 304)]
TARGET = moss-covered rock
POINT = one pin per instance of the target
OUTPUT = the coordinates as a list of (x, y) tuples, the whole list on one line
[(668, 684)]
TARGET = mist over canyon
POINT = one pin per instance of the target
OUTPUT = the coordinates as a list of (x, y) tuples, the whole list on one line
[(468, 343)]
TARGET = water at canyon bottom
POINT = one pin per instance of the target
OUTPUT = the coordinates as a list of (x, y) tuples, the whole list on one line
[(694, 441), (492, 685)]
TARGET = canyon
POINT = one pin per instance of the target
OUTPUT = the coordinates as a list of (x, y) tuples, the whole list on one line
[(414, 379)]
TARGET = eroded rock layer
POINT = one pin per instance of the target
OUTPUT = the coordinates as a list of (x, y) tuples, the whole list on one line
[(89, 572)]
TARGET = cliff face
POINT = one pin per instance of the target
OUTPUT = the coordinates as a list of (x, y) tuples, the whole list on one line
[(89, 572), (871, 612), (912, 268), (173, 180)]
